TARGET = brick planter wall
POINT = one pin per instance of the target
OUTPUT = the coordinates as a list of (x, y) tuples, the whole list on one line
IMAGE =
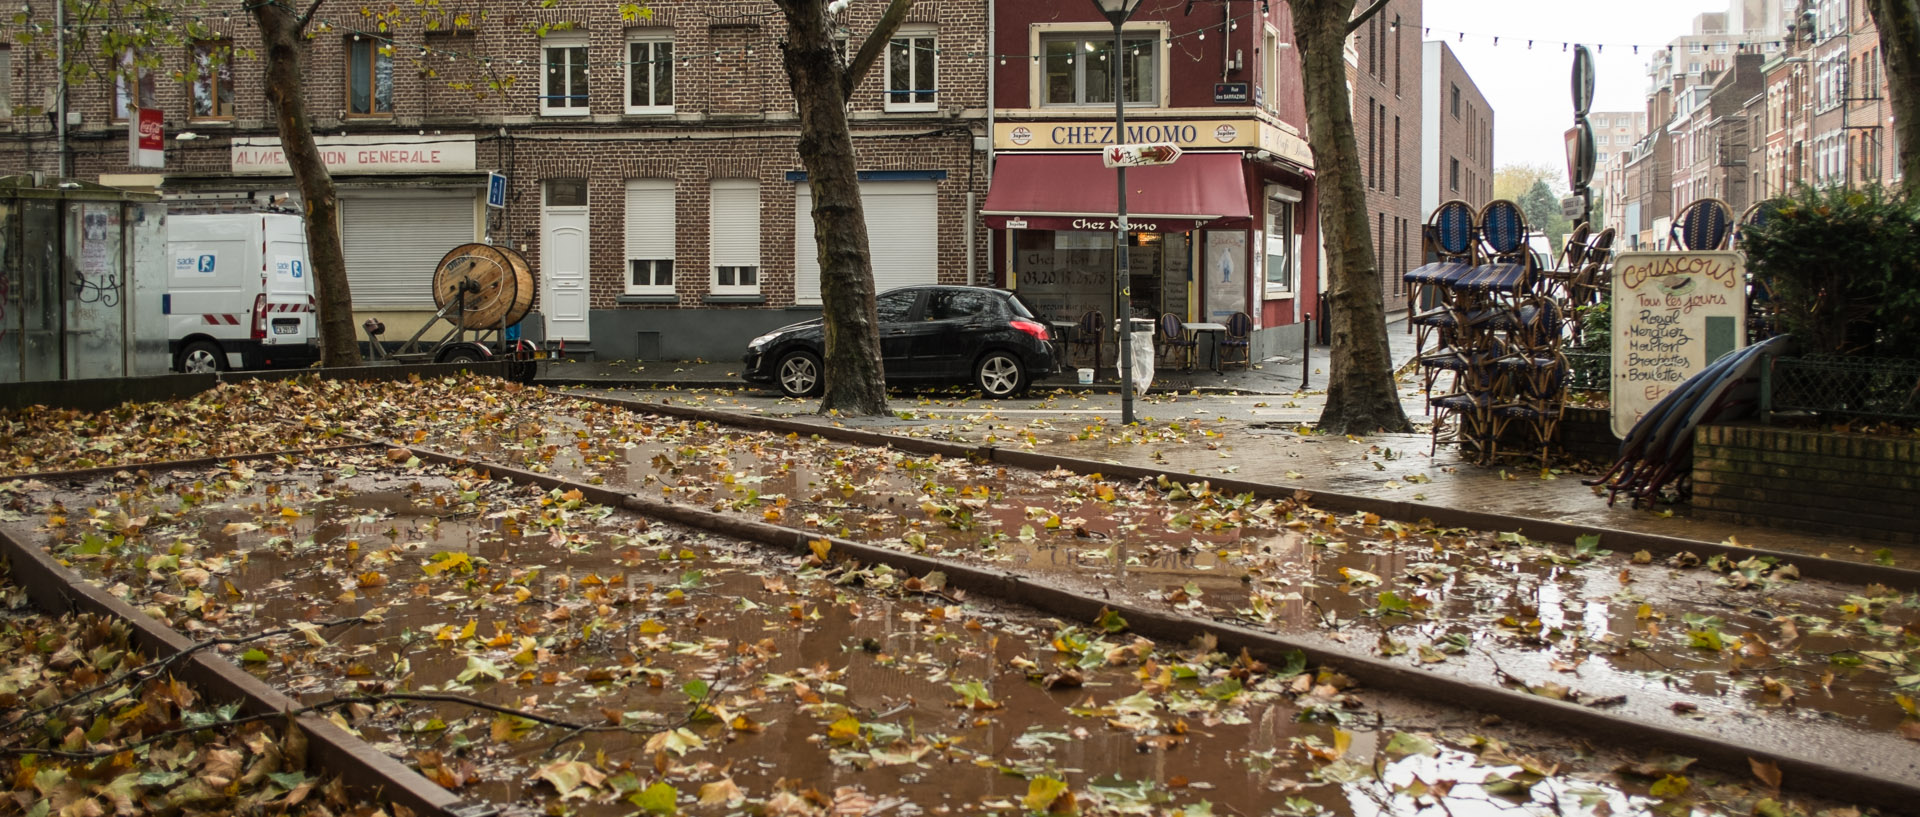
[(1848, 484)]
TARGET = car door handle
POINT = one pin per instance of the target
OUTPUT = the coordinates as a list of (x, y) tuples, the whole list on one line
[(898, 332)]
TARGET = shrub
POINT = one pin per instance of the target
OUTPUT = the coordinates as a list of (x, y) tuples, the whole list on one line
[(1842, 267)]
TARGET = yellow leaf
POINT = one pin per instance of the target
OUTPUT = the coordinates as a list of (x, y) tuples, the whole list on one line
[(467, 631), (1342, 740), (847, 728), (721, 792), (290, 513), (652, 627), (372, 579), (820, 548)]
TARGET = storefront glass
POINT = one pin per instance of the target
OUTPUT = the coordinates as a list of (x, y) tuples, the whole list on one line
[(1065, 274)]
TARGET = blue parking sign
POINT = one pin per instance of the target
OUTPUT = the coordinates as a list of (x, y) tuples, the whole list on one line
[(496, 190)]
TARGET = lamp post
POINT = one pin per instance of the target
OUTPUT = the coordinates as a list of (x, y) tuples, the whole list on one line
[(1117, 12)]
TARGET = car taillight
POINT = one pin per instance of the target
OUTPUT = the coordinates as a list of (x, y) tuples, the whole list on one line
[(259, 316), (1037, 330)]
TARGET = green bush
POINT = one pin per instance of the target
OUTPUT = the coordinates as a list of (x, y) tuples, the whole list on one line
[(1842, 267)]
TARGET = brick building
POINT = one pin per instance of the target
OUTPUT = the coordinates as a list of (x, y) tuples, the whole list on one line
[(1456, 134), (1386, 65), (651, 173)]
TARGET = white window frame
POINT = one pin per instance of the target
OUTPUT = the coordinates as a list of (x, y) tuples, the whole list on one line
[(651, 38), (912, 34), (563, 42), (1270, 69), (651, 234), (1157, 31), (732, 254), (1284, 240), (133, 92), (6, 84)]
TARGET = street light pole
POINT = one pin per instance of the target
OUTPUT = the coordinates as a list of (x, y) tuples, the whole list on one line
[(1117, 12)]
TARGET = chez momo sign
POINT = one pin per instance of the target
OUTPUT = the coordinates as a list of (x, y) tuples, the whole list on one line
[(1673, 313), (363, 154)]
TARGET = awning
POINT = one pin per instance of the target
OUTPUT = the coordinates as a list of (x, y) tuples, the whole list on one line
[(1076, 191)]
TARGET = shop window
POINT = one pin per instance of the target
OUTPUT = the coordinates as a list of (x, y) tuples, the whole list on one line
[(133, 85), (369, 77), (563, 89), (211, 84), (734, 236), (1280, 244), (650, 72), (912, 82), (1079, 70), (650, 236)]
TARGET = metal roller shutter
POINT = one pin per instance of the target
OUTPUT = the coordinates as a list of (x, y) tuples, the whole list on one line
[(393, 242), (903, 230)]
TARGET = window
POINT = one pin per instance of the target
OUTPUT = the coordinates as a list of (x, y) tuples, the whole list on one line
[(957, 304), (896, 307), (1599, 120), (1079, 71), (564, 90), (1454, 101), (649, 72), (1270, 69), (133, 86), (211, 88), (6, 80), (369, 77), (650, 236), (1396, 156), (1453, 175), (734, 236), (1279, 249), (912, 84)]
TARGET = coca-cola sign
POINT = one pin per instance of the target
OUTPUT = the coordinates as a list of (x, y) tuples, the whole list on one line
[(146, 138)]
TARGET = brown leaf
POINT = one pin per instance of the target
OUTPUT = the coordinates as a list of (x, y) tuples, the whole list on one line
[(1766, 771)]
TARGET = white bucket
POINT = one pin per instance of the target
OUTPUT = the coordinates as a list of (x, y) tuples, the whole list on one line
[(1086, 377)]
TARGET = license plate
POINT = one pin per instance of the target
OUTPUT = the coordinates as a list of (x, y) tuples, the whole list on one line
[(285, 329)]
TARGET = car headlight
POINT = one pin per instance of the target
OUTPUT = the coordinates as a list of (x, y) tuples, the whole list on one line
[(762, 340)]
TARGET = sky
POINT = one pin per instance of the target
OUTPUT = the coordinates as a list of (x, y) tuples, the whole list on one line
[(1530, 90)]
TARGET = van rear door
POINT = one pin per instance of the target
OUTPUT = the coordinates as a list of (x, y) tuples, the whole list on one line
[(290, 303)]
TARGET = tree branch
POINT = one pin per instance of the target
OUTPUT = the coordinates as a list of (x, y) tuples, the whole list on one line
[(876, 43), (300, 23), (1361, 18)]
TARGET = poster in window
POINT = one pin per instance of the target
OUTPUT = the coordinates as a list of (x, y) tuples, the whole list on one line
[(1224, 276)]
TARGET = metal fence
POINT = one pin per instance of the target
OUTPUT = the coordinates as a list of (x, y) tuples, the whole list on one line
[(1589, 369), (1868, 388)]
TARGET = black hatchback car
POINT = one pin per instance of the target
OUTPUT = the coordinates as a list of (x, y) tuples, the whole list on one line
[(928, 334)]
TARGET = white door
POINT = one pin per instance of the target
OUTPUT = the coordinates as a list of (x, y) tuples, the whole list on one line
[(563, 259)]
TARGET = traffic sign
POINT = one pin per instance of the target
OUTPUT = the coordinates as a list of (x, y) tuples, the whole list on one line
[(1580, 154), (1582, 80), (1156, 153), (1573, 207), (496, 190)]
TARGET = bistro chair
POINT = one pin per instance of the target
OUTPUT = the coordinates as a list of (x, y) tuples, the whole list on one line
[(1450, 231), (1706, 224), (1572, 255), (1172, 336), (1239, 339), (1090, 334), (1762, 311)]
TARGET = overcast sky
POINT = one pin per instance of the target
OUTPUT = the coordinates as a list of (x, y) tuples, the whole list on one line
[(1530, 89)]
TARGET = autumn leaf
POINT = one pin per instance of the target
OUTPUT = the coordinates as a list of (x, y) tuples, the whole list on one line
[(659, 798), (1766, 771), (571, 778), (1110, 621), (723, 792), (1046, 795)]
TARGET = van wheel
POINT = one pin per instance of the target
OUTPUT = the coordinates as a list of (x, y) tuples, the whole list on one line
[(201, 357)]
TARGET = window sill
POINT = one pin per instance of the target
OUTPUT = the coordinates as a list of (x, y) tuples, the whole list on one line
[(734, 299), (566, 112), (912, 108), (212, 121), (635, 298), (649, 112)]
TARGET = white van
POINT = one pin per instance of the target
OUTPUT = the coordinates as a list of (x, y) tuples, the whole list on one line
[(239, 292)]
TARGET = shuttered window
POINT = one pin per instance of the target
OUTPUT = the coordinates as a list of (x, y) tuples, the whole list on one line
[(734, 233), (902, 233), (650, 236), (393, 242)]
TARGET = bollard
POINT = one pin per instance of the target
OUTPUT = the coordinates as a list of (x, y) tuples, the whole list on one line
[(1306, 351)]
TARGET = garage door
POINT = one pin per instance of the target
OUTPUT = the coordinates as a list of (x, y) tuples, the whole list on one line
[(902, 230), (392, 243)]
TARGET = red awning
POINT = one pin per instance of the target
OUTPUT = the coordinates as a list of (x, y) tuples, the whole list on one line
[(1076, 192)]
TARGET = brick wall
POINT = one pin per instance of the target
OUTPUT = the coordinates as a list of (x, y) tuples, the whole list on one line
[(1386, 88), (1847, 484)]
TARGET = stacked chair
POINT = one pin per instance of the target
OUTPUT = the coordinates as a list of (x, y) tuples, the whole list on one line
[(1495, 333)]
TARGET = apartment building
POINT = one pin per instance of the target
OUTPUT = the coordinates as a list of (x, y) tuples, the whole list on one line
[(1456, 141), (649, 163), (1386, 68)]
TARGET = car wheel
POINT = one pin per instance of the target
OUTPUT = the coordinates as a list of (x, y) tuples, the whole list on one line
[(201, 357), (462, 356), (1000, 374), (799, 374)]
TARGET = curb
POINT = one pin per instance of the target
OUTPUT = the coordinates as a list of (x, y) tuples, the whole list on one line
[(57, 590), (1808, 774), (1812, 567), (83, 474)]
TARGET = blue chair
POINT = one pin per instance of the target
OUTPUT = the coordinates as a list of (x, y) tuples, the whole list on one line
[(1449, 233), (1706, 224)]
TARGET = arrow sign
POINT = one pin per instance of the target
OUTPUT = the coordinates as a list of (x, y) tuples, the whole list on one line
[(1157, 153)]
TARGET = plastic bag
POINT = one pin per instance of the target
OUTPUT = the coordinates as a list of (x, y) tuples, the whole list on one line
[(1142, 363)]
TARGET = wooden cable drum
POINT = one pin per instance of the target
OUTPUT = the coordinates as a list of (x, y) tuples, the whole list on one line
[(497, 282)]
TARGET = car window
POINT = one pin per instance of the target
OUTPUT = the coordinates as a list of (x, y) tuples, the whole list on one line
[(895, 307), (1020, 308), (958, 304)]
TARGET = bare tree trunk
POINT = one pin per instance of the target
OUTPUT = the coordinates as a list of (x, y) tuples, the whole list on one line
[(286, 92), (1361, 397), (856, 382), (1899, 24)]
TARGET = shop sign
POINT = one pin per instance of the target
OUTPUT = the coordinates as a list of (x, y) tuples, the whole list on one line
[(362, 154), (1101, 224), (1673, 313), (146, 142), (1188, 134)]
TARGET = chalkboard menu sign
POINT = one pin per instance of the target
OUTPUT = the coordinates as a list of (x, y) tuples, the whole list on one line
[(1673, 313)]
